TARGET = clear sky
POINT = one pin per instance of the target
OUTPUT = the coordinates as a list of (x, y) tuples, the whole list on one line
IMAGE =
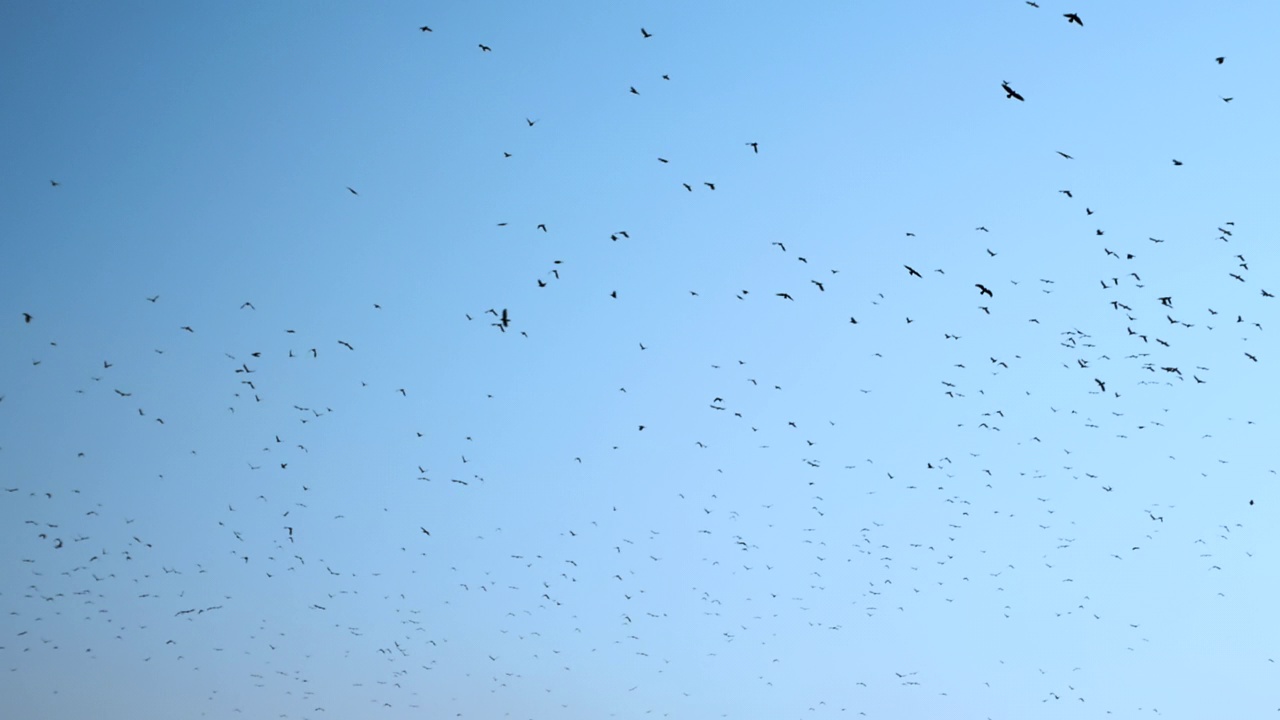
[(352, 369)]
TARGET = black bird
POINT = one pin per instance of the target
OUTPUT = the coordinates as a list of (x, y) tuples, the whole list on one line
[(1073, 18), (345, 344), (710, 185), (645, 33), (1010, 92), (1064, 155), (506, 321), (54, 183), (353, 192), (784, 296), (27, 317), (982, 290), (755, 147), (634, 91), (912, 271), (1177, 162), (424, 28), (531, 122), (1101, 384), (153, 299), (1220, 60), (820, 287), (1066, 192), (485, 48)]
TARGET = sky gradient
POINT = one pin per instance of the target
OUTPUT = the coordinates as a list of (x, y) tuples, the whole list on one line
[(267, 446)]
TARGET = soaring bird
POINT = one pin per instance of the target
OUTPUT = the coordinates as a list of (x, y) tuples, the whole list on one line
[(424, 28), (645, 33), (1177, 162), (634, 91), (506, 320), (1010, 92), (485, 48), (1101, 384), (784, 296), (982, 290), (54, 183), (353, 192), (1073, 18), (755, 147), (912, 271), (1064, 155)]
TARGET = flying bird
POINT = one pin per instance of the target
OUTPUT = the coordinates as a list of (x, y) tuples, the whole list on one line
[(1220, 60), (424, 28), (1010, 92), (26, 318), (353, 192), (912, 271), (755, 147), (485, 48), (982, 290), (1064, 155), (645, 33), (1073, 18)]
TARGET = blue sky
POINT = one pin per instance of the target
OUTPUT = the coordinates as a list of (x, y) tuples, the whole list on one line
[(936, 511)]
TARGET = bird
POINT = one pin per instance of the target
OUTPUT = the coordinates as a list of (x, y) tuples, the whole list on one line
[(755, 147), (1073, 18), (1177, 162), (1101, 384), (634, 91), (54, 183), (485, 48), (505, 319), (982, 290), (425, 28), (531, 122), (710, 185), (1220, 60), (345, 344), (645, 33), (26, 317), (1064, 155), (912, 271), (353, 192), (1010, 92), (784, 296)]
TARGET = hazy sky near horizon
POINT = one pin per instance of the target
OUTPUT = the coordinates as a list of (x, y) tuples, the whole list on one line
[(769, 361)]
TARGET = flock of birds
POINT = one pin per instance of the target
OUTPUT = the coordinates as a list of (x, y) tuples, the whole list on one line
[(661, 584)]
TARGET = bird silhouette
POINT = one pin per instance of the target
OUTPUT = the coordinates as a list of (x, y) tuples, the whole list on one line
[(912, 271), (1073, 18), (1010, 92)]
